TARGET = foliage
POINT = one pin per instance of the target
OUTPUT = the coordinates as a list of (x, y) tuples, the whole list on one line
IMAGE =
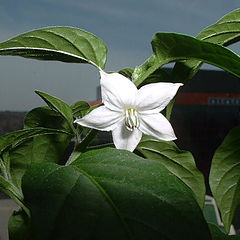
[(76, 192)]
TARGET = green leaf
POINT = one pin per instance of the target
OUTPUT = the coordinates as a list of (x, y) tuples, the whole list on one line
[(178, 162), (80, 109), (16, 138), (172, 47), (59, 106), (225, 176), (12, 191), (31, 145), (6, 186), (111, 194), (41, 148), (45, 117), (82, 146), (19, 226), (143, 71), (65, 44), (158, 75), (127, 72), (48, 148), (217, 234), (225, 32)]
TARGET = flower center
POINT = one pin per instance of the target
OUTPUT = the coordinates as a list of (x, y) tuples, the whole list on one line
[(131, 119)]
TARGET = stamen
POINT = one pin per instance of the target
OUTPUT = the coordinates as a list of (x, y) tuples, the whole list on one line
[(131, 119)]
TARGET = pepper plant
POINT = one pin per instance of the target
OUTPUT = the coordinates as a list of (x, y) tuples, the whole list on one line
[(140, 187)]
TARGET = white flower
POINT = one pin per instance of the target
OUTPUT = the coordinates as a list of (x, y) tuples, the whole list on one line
[(129, 112)]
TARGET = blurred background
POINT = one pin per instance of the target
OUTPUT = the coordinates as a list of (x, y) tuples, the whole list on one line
[(206, 108)]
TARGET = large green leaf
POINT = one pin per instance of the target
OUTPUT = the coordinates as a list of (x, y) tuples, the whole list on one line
[(225, 32), (225, 176), (178, 162), (111, 194), (172, 47), (66, 44)]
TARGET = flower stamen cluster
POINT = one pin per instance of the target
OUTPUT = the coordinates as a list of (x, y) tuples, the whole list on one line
[(131, 119)]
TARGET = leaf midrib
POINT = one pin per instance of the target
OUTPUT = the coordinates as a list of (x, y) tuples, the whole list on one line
[(108, 199)]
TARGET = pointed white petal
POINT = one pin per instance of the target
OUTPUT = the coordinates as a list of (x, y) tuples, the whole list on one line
[(158, 126), (117, 91), (125, 139), (154, 97), (101, 118)]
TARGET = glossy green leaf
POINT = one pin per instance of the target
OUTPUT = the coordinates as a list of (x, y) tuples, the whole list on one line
[(178, 162), (173, 47), (111, 194), (16, 138), (65, 44), (225, 32), (59, 106), (225, 176)]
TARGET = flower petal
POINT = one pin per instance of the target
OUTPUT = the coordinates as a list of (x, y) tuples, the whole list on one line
[(154, 97), (125, 139), (118, 91), (101, 118), (158, 126)]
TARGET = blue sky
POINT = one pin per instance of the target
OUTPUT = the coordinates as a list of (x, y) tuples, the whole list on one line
[(125, 26)]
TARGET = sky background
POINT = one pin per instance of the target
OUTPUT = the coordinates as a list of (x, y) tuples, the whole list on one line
[(125, 26)]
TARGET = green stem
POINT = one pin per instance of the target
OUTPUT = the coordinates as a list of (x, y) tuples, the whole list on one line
[(169, 109), (81, 147), (4, 171)]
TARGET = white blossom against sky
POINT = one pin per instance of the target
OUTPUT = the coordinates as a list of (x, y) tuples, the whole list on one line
[(126, 26)]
